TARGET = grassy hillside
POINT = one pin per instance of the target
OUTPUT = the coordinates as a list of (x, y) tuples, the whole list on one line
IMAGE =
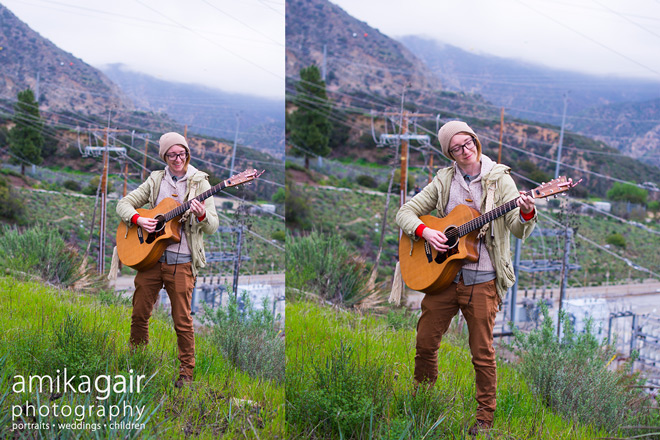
[(352, 373), (45, 329)]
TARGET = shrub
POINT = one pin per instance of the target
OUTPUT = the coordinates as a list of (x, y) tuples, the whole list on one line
[(570, 375), (71, 185), (11, 206), (324, 265), (616, 239), (367, 181), (296, 208), (40, 252), (278, 235), (227, 205), (248, 337), (90, 189)]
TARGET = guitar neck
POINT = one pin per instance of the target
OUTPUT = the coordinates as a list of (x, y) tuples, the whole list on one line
[(478, 222), (186, 205)]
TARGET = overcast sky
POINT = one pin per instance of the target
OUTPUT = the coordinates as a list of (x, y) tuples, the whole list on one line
[(620, 37), (232, 45)]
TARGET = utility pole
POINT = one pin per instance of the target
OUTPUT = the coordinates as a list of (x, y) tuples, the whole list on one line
[(404, 138), (568, 234), (237, 261), (144, 162), (324, 64), (105, 151), (233, 154), (561, 135), (499, 155), (104, 197)]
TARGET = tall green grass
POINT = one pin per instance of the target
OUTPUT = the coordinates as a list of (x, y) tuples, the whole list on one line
[(350, 376), (324, 264), (570, 374), (39, 251), (43, 329)]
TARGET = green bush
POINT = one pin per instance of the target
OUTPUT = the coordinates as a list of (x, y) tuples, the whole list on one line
[(90, 189), (323, 264), (278, 235), (40, 252), (296, 209), (72, 185), (366, 180), (11, 206), (248, 337), (627, 192), (616, 239), (570, 375)]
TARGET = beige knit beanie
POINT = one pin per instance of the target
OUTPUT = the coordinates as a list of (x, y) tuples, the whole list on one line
[(452, 128), (168, 140)]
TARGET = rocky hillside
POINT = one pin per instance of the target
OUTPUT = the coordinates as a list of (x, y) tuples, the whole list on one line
[(64, 82), (631, 127), (358, 57)]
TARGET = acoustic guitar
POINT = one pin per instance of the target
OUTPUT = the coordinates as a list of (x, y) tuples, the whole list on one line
[(423, 271), (140, 250)]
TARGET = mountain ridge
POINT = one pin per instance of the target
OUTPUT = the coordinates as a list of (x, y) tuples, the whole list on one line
[(60, 80)]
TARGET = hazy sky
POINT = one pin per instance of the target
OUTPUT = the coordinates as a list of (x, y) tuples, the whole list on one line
[(620, 37), (233, 45)]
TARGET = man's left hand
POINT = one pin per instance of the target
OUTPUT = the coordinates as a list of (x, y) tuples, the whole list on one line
[(526, 203), (197, 208)]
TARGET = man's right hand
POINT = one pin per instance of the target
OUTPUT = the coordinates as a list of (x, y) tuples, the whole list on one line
[(148, 224), (436, 239)]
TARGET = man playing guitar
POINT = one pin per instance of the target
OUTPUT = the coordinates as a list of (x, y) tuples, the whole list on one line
[(178, 266), (474, 180)]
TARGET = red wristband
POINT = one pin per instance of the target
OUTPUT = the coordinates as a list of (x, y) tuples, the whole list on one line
[(199, 219), (529, 215), (420, 229), (134, 219)]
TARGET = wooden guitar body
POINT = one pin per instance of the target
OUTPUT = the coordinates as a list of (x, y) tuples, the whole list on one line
[(430, 271), (140, 250), (433, 273)]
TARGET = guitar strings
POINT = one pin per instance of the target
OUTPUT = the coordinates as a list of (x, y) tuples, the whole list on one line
[(478, 222)]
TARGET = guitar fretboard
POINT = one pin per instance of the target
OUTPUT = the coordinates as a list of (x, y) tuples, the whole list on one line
[(478, 222), (186, 205)]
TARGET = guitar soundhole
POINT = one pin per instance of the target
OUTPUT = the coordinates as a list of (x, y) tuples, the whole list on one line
[(452, 241), (161, 223), (159, 230), (452, 236)]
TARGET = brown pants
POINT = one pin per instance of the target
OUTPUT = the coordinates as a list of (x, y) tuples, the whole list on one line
[(479, 305), (179, 288)]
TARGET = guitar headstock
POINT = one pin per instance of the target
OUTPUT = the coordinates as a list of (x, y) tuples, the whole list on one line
[(554, 187), (243, 177)]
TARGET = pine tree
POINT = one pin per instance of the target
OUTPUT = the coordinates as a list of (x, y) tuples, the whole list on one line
[(309, 127), (25, 138)]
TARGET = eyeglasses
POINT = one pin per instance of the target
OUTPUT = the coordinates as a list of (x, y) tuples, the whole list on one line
[(461, 148), (174, 156)]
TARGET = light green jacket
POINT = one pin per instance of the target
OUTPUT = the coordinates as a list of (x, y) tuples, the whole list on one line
[(148, 193), (436, 195)]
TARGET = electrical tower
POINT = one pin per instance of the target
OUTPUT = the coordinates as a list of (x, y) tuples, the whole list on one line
[(96, 151)]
